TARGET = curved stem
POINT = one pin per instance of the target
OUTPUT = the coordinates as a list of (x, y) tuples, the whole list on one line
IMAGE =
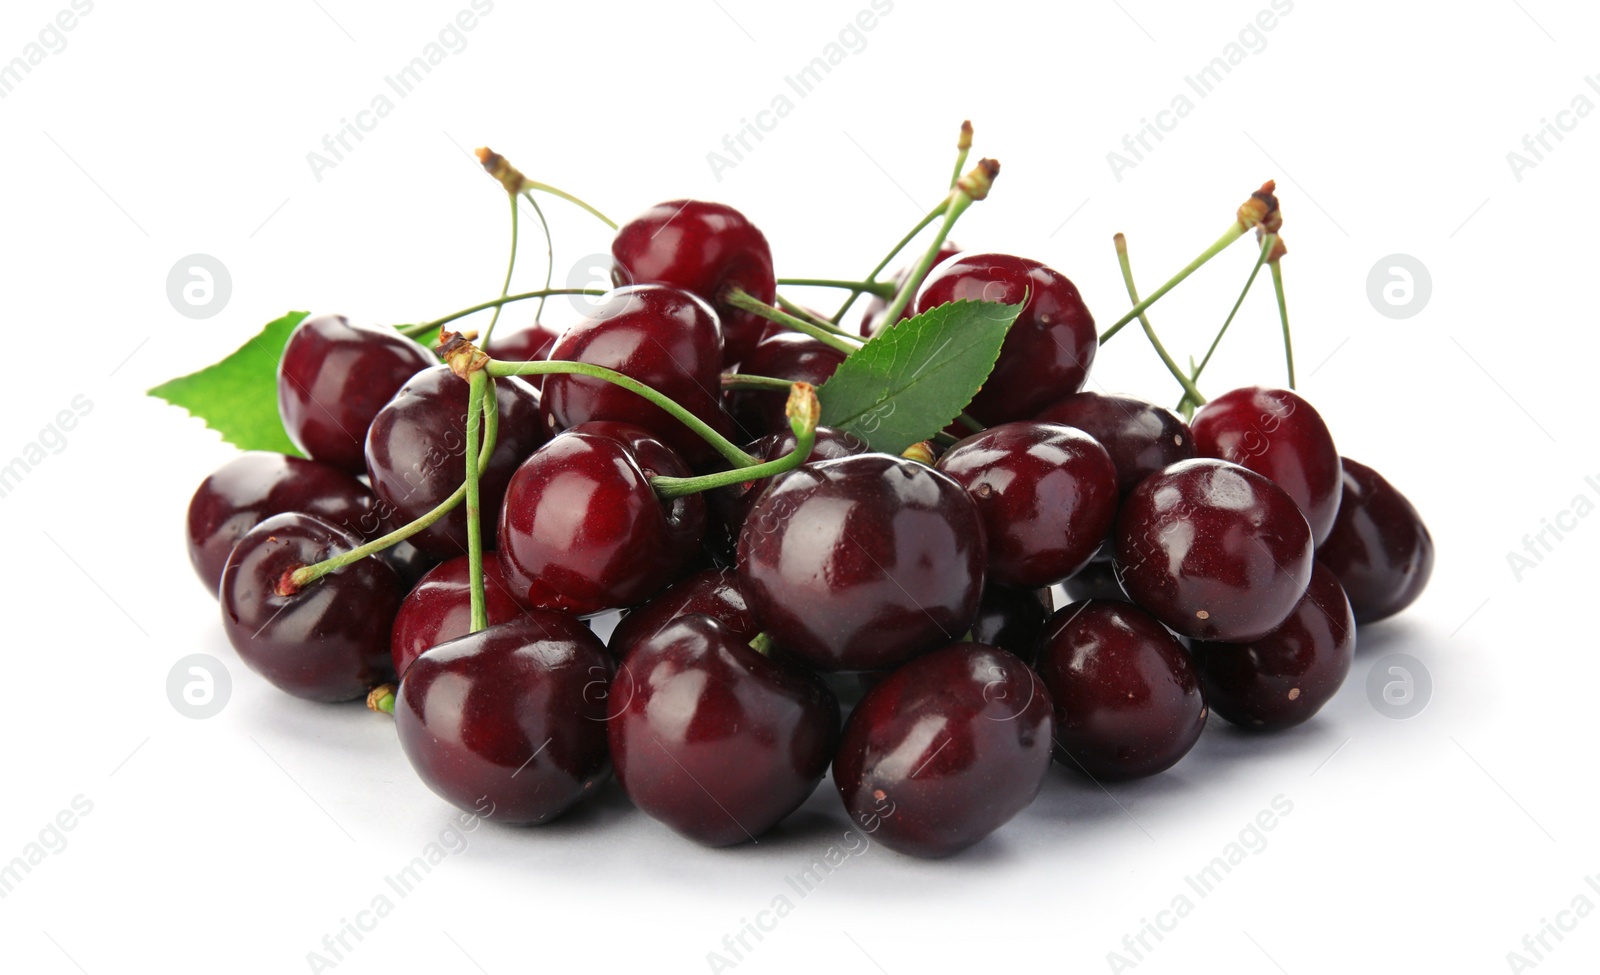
[(1283, 313), (799, 311), (529, 185), (922, 224), (883, 289), (511, 265), (423, 328), (1234, 233), (739, 298), (1150, 333), (959, 202), (803, 412), (721, 444), (549, 256), (475, 400), (744, 380), (1268, 241)]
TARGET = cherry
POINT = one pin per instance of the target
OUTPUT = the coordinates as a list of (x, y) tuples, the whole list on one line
[(945, 750), (876, 306), (1011, 619), (1142, 438), (731, 505), (334, 377), (531, 344), (710, 592), (1049, 349), (714, 739), (1276, 433), (1097, 580), (863, 562), (512, 717), (408, 562), (704, 248), (582, 531), (325, 642), (1127, 697), (257, 485), (1213, 550), (439, 608), (1379, 547), (781, 355), (416, 454), (664, 338), (1283, 678), (1047, 495)]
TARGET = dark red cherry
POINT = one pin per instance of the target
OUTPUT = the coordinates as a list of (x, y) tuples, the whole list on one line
[(439, 608), (1213, 550), (1097, 580), (1047, 494), (408, 562), (416, 454), (863, 562), (334, 377), (1285, 677), (531, 344), (710, 592), (1379, 547), (582, 531), (704, 248), (945, 750), (875, 306), (257, 485), (1011, 619), (510, 722), (1142, 438), (663, 337), (731, 505), (1127, 698), (714, 739), (330, 640), (1047, 353), (1277, 434), (782, 355)]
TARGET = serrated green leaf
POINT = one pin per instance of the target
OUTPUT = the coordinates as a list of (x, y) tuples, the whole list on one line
[(910, 381), (238, 397)]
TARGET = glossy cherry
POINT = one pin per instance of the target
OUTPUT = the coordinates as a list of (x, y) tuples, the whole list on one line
[(782, 355), (1142, 438), (1213, 550), (257, 485), (863, 562), (665, 338), (1047, 494), (1276, 433), (439, 608), (326, 642), (714, 739), (1285, 677), (416, 454), (1049, 349), (1379, 547), (731, 505), (875, 306), (334, 377), (704, 248), (1127, 698), (531, 344), (510, 722), (1011, 619), (945, 750), (582, 531), (711, 592)]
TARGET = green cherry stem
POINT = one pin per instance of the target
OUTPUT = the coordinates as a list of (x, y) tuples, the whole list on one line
[(922, 225), (475, 406), (423, 328), (549, 255), (883, 289), (739, 298), (803, 412), (511, 265), (516, 183), (971, 188), (1267, 243), (531, 185), (1283, 313), (963, 146), (381, 698), (799, 311), (721, 444), (744, 380), (1261, 208), (1133, 295)]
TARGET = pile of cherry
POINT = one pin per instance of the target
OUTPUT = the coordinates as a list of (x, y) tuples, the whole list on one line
[(1219, 565)]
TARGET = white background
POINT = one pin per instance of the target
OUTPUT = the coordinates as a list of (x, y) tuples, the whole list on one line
[(236, 843)]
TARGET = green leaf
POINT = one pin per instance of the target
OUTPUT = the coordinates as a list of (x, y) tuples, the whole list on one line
[(910, 381), (238, 397)]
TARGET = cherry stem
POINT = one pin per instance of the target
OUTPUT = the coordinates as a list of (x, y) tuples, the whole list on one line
[(1283, 313), (529, 186), (423, 328), (516, 183), (721, 444), (511, 265), (963, 146), (959, 202), (381, 698), (1150, 333), (922, 224), (803, 412), (739, 298), (822, 323), (549, 256), (883, 289), (745, 380), (477, 403), (762, 644), (1185, 405)]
